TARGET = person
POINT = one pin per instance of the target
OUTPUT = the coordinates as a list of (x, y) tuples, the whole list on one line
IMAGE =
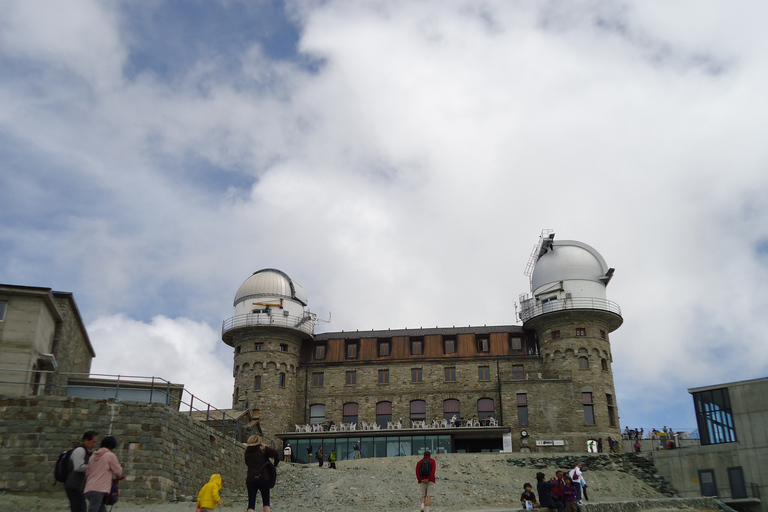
[(528, 498), (557, 490), (546, 498), (577, 476), (600, 445), (638, 446), (287, 452), (103, 468), (257, 457), (309, 454), (332, 459), (320, 456), (611, 445), (570, 495), (591, 446), (358, 452), (208, 498), (426, 480), (76, 478)]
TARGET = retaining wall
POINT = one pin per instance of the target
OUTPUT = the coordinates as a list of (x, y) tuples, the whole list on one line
[(164, 453)]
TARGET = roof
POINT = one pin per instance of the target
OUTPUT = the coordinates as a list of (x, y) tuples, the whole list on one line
[(270, 282)]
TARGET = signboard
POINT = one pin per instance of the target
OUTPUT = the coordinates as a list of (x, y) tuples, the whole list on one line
[(550, 443), (507, 442)]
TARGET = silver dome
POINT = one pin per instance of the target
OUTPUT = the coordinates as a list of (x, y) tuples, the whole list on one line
[(270, 282), (564, 260)]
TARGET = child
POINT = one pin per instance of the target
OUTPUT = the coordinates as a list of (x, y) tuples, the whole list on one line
[(209, 498), (332, 459), (528, 498)]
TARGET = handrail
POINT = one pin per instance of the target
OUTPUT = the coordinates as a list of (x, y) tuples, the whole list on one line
[(304, 323), (530, 309)]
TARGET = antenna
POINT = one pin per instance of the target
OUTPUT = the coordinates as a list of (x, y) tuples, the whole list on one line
[(535, 254)]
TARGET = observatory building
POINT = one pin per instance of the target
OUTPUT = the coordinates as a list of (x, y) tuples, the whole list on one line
[(545, 385)]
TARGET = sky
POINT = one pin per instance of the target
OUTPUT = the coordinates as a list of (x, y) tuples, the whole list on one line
[(397, 159)]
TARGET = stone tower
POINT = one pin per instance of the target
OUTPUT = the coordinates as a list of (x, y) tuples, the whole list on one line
[(266, 332), (572, 319)]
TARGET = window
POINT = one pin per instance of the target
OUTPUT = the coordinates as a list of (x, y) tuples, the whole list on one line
[(522, 408), (318, 379), (583, 363), (589, 408), (281, 380), (237, 349), (417, 346), (317, 414), (483, 373), (518, 373), (237, 393), (416, 375), (485, 408), (353, 349), (556, 334), (418, 410), (385, 347), (449, 345), (349, 412), (604, 364), (383, 413), (611, 410), (581, 331), (602, 334), (257, 383), (383, 376), (483, 345), (3, 308), (515, 344), (451, 409), (450, 375), (351, 378), (258, 346), (320, 352), (714, 416), (283, 347)]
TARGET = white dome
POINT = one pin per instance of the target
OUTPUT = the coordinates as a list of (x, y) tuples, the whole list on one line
[(270, 282), (569, 260)]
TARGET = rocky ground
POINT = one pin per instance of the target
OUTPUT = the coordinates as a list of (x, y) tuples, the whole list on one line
[(465, 482)]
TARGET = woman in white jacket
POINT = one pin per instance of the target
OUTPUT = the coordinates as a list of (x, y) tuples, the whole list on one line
[(577, 476)]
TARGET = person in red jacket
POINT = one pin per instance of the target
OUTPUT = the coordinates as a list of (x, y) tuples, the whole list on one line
[(425, 474)]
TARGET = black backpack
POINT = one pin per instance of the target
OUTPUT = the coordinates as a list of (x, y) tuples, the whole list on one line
[(63, 466), (426, 469)]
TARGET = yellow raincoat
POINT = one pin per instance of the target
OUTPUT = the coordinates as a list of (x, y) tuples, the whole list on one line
[(209, 494)]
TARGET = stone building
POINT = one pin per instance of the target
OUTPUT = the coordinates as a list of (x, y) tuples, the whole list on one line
[(545, 385), (40, 331)]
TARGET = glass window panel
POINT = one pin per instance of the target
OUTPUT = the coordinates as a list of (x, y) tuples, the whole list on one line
[(522, 415)]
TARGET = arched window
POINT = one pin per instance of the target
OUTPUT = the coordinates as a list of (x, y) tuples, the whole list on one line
[(383, 413), (485, 408), (350, 412), (583, 363), (418, 410), (604, 364), (281, 380), (317, 414), (451, 408)]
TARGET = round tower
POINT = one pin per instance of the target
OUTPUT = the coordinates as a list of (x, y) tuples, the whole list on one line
[(572, 318), (266, 332)]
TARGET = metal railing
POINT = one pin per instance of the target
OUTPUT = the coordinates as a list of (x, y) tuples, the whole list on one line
[(304, 323), (530, 309), (120, 388)]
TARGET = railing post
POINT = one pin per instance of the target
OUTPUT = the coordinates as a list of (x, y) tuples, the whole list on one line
[(151, 389), (117, 388), (208, 413)]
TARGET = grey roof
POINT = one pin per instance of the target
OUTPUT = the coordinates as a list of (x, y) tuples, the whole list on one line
[(445, 331)]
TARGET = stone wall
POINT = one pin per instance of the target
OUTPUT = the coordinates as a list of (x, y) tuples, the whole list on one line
[(164, 453), (71, 346), (659, 504)]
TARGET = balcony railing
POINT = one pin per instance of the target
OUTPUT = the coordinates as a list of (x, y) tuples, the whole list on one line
[(530, 309), (305, 323)]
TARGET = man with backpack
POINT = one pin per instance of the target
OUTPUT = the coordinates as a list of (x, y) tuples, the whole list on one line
[(425, 473), (74, 472)]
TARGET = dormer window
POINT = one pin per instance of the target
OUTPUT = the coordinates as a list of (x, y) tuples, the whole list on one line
[(320, 351), (385, 347)]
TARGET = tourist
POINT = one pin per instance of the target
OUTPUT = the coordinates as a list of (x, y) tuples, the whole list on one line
[(260, 472), (103, 468), (332, 459), (528, 498), (76, 478), (208, 498), (600, 445), (577, 476), (320, 455), (611, 445), (358, 451), (638, 446), (570, 495), (287, 451), (425, 474), (546, 498), (309, 454)]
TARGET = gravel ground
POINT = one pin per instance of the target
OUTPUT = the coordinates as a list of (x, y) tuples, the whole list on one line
[(465, 482)]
